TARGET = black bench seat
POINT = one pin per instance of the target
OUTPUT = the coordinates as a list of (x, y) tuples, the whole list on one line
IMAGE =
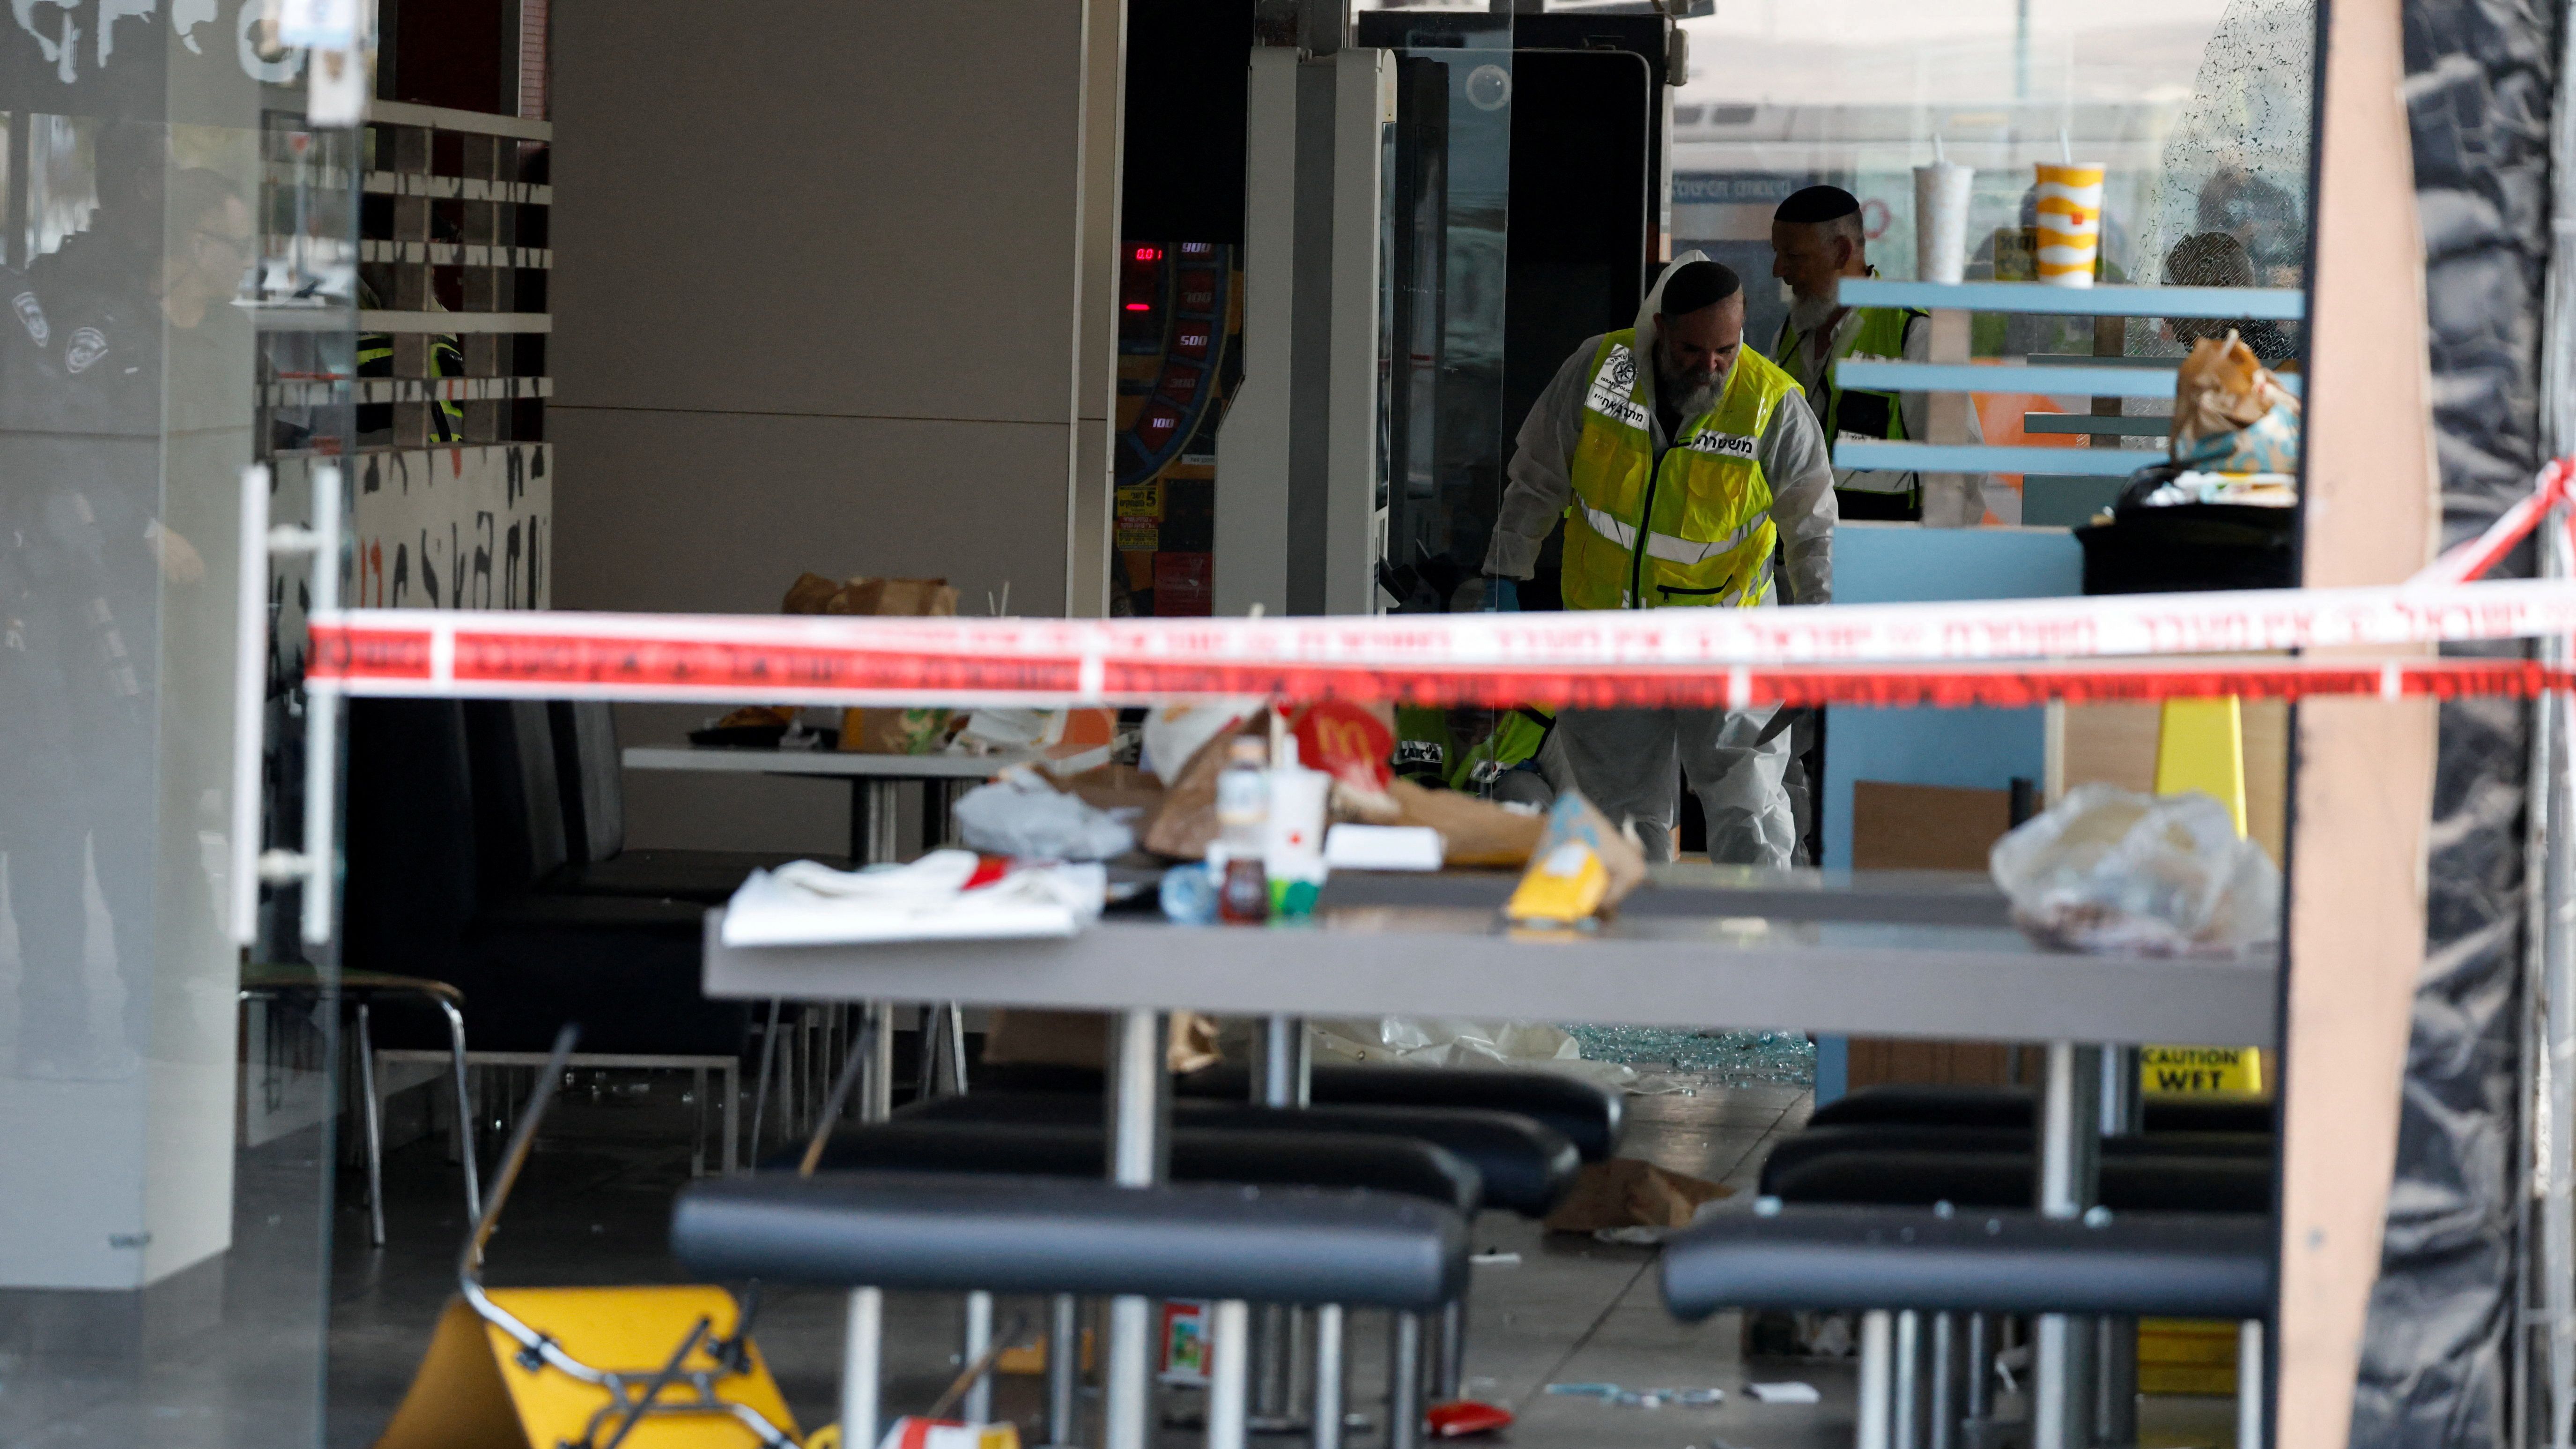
[(2205, 1265), (950, 1232)]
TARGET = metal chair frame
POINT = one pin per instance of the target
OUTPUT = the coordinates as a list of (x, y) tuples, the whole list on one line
[(355, 988)]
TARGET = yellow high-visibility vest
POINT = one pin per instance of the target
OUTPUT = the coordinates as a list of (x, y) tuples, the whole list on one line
[(1694, 531)]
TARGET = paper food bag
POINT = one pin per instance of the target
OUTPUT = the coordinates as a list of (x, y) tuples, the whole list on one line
[(881, 731), (1626, 1193), (1473, 832)]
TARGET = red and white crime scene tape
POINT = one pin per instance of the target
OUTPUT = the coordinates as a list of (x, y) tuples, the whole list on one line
[(2013, 652)]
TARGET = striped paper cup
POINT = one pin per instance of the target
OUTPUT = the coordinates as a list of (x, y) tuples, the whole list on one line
[(2070, 223)]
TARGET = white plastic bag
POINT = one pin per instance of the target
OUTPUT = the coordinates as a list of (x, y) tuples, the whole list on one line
[(2111, 870), (1021, 815)]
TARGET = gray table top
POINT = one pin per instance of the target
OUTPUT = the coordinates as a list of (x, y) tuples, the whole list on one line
[(731, 759), (1926, 959)]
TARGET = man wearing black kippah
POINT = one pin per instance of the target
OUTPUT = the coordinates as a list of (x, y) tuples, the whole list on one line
[(1816, 241), (1682, 463)]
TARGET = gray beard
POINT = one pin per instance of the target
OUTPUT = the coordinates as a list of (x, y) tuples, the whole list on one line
[(1806, 314), (1688, 402)]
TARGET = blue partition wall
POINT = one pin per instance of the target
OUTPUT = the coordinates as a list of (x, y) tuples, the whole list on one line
[(1889, 563)]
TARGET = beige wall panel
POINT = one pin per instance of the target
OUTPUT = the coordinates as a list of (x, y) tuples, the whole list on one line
[(811, 206), (718, 513), (1095, 399), (2364, 777)]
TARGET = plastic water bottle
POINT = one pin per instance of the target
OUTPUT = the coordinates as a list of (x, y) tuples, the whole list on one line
[(1242, 822), (1188, 894)]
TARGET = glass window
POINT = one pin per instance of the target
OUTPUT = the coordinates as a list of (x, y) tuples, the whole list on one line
[(176, 254)]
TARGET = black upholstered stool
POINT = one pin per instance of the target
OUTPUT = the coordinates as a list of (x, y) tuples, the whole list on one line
[(871, 1231), (1910, 1261)]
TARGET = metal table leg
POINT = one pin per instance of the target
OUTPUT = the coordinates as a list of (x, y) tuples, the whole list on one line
[(1282, 1071), (873, 836), (1139, 1155), (938, 813), (876, 1082), (1941, 1415), (2069, 1149), (1871, 1429)]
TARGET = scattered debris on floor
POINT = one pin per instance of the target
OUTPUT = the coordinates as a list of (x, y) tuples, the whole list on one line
[(1625, 1192), (1641, 1398), (1461, 1418), (1701, 1059), (1784, 1393), (1495, 1259)]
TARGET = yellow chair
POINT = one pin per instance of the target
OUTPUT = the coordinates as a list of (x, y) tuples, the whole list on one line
[(519, 1368)]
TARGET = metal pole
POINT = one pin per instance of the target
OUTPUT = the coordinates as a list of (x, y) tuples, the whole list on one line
[(1328, 1377), (2556, 1066), (1281, 1073), (1404, 1382), (1979, 1402), (2061, 1415), (1227, 1372), (861, 1354), (876, 1086), (322, 725), (1139, 1145), (1064, 1368), (1943, 1414), (978, 1405), (2249, 1384), (375, 1120), (250, 706), (1876, 1390), (884, 840), (2115, 1381), (1907, 1428)]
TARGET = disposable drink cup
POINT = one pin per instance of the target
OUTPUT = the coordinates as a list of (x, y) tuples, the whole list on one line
[(1941, 221), (2070, 222)]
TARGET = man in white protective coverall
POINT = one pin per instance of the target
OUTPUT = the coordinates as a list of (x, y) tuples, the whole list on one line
[(1682, 462)]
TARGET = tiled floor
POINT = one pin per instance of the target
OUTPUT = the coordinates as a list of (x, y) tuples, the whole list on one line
[(593, 1208), (594, 1205)]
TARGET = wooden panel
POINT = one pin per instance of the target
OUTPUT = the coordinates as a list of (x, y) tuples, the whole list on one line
[(2365, 768), (1925, 827), (1878, 1060)]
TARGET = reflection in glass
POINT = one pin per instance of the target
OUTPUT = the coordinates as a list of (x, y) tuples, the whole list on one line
[(163, 1225), (1449, 199), (2197, 109)]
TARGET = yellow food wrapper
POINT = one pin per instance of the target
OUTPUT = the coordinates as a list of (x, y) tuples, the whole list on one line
[(1565, 884), (1582, 866)]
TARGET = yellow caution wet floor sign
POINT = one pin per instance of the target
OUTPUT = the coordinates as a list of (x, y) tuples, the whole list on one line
[(2180, 1071)]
